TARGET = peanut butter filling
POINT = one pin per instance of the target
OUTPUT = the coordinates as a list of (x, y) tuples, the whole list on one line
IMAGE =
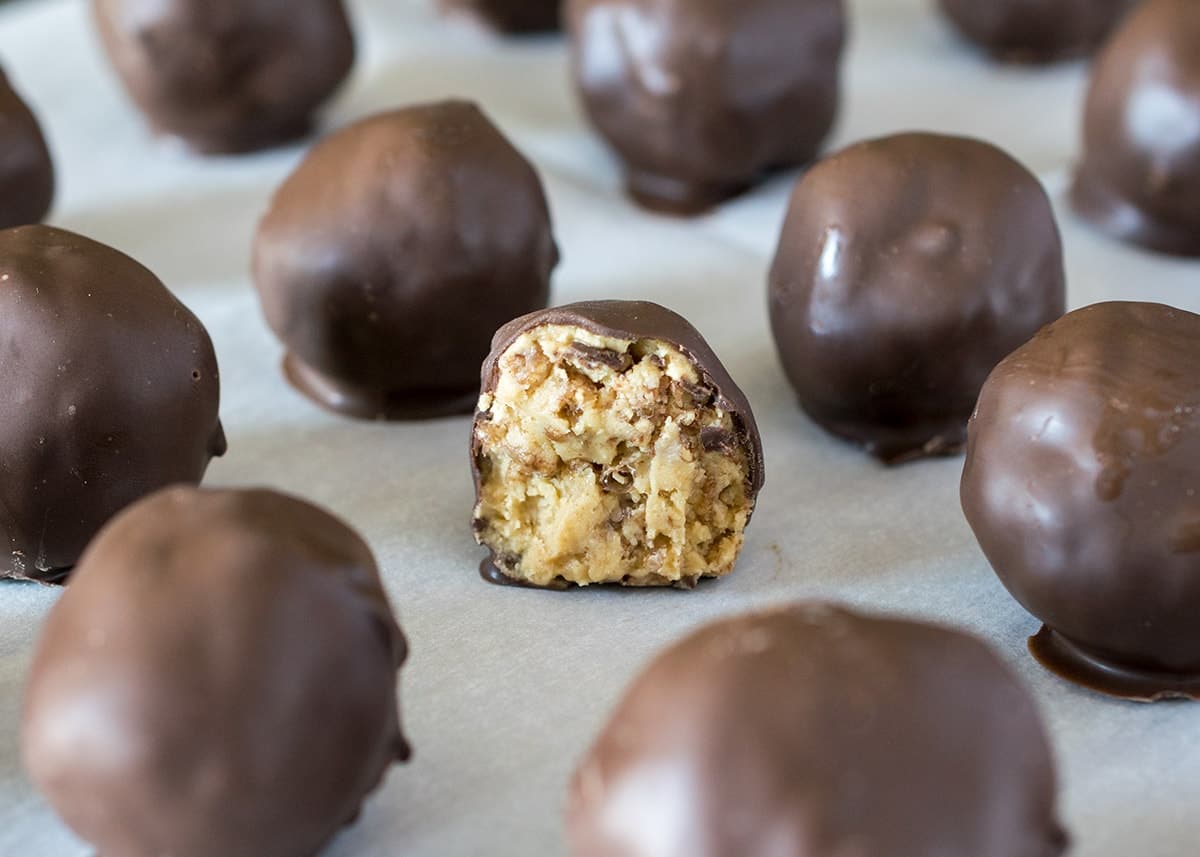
[(606, 460)]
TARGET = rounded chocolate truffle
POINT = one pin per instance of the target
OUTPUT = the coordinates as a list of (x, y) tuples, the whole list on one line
[(610, 446), (228, 76), (1082, 484), (1140, 176), (511, 16), (390, 256), (110, 392), (907, 268), (700, 98), (811, 730), (26, 171), (219, 680), (1036, 31)]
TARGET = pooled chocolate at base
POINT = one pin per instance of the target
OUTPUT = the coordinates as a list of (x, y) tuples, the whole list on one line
[(1036, 31), (367, 404), (1139, 180), (701, 99), (515, 17), (1082, 485), (1098, 672), (111, 391), (26, 170), (610, 447), (392, 253), (811, 730), (219, 680), (491, 574)]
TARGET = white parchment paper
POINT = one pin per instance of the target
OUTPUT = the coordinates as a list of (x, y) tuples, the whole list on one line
[(505, 688)]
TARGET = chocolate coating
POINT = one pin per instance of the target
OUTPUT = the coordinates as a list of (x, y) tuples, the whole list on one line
[(811, 730), (111, 392), (228, 76), (1036, 31), (218, 681), (641, 324), (390, 256), (26, 171), (1081, 482), (1140, 176), (700, 97), (908, 266), (511, 16)]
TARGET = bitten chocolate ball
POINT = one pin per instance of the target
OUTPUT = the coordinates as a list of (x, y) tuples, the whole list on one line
[(110, 392), (610, 446), (218, 681), (811, 730), (390, 256), (1036, 31), (907, 268), (700, 98), (1082, 485), (228, 76), (511, 16), (1140, 176), (26, 171)]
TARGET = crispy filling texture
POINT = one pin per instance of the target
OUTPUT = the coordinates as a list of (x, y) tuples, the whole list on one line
[(605, 461)]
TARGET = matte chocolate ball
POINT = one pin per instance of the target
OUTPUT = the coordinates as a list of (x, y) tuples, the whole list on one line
[(111, 392), (219, 680), (811, 730), (1082, 484), (1036, 31), (700, 98), (1139, 180), (26, 171), (228, 76), (907, 268), (392, 254)]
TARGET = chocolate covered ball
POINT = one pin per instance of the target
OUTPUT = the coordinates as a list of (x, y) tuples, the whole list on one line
[(110, 392), (1082, 484), (1036, 31), (700, 97), (390, 256), (811, 730), (26, 171), (907, 268), (218, 681), (610, 446), (511, 16), (1140, 175), (228, 76)]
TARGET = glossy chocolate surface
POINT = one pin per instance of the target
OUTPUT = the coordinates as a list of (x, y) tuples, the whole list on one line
[(390, 256), (111, 392), (1082, 484), (700, 98), (511, 16), (219, 680), (228, 76), (1036, 31), (628, 320), (1139, 179), (811, 730), (907, 268), (26, 171)]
